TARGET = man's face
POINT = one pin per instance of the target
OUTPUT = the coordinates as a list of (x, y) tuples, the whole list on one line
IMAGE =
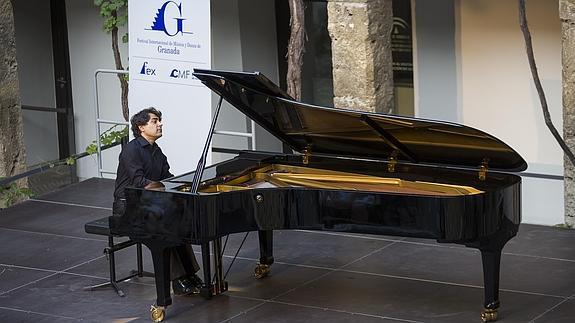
[(152, 129)]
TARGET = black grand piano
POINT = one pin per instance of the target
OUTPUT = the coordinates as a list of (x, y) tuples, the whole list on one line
[(352, 172)]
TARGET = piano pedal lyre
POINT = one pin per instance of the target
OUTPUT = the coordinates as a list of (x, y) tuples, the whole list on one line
[(157, 313), (489, 315), (261, 270)]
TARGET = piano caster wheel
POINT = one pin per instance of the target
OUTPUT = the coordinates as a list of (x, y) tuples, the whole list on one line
[(157, 313), (488, 315), (261, 270)]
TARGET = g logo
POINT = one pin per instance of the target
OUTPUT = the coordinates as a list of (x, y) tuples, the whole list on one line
[(160, 20)]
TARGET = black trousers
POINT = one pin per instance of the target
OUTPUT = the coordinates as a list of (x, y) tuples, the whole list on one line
[(182, 259)]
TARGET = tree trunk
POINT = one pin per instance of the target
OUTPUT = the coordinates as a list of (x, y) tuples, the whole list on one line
[(296, 48), (567, 15), (123, 78), (12, 151)]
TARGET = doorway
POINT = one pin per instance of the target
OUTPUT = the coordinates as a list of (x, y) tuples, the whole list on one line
[(45, 89)]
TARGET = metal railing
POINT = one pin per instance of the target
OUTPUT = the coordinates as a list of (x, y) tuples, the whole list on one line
[(103, 121), (43, 109)]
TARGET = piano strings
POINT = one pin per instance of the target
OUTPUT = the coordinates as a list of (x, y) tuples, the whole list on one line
[(277, 176)]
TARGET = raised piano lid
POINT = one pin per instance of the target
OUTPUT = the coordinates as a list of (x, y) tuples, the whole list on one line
[(338, 132)]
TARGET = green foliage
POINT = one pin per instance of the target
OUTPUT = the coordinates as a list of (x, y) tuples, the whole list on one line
[(115, 14), (563, 226), (11, 194), (108, 137)]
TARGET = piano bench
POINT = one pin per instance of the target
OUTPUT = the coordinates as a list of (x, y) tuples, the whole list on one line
[(102, 227)]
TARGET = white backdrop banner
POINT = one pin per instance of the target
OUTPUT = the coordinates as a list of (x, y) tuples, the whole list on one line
[(168, 39)]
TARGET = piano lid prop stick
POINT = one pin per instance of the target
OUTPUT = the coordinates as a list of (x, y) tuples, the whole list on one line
[(202, 161)]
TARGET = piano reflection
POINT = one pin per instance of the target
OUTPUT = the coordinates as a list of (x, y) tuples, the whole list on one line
[(351, 172)]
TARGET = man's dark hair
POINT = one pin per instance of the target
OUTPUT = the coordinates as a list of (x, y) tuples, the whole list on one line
[(141, 119)]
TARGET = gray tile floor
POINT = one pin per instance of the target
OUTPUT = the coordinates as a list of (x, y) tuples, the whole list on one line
[(46, 259)]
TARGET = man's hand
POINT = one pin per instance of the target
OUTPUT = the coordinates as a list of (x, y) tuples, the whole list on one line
[(157, 186)]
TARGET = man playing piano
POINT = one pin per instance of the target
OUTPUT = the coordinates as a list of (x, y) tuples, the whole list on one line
[(143, 164)]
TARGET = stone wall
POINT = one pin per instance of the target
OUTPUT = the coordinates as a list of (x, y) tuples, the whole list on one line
[(360, 32), (12, 152), (567, 15)]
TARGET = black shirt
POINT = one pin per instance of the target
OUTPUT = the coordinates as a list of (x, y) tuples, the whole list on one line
[(140, 163)]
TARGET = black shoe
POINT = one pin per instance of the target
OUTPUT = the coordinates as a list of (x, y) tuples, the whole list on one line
[(196, 281), (183, 286)]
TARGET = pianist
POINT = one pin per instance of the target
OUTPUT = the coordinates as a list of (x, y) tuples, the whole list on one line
[(143, 164)]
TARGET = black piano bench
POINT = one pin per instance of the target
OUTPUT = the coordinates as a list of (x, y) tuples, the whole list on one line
[(102, 227)]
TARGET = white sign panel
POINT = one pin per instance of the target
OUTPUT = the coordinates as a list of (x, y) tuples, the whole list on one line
[(168, 39)]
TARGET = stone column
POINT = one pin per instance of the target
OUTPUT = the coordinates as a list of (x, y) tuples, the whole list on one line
[(567, 15), (12, 152), (360, 32)]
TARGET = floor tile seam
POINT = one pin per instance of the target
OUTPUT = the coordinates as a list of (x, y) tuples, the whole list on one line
[(67, 272), (548, 310), (402, 240), (53, 234), (302, 285), (322, 308), (83, 275), (399, 239), (71, 204), (304, 266), (39, 313), (275, 262), (455, 246), (80, 264), (346, 235), (284, 263), (330, 271), (346, 312), (399, 242), (52, 274), (369, 254), (28, 283), (478, 251), (440, 245), (28, 268), (538, 257), (243, 312), (127, 281), (409, 278), (446, 283)]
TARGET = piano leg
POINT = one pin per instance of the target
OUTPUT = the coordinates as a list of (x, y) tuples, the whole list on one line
[(206, 290), (491, 258), (491, 262), (266, 253), (161, 258)]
